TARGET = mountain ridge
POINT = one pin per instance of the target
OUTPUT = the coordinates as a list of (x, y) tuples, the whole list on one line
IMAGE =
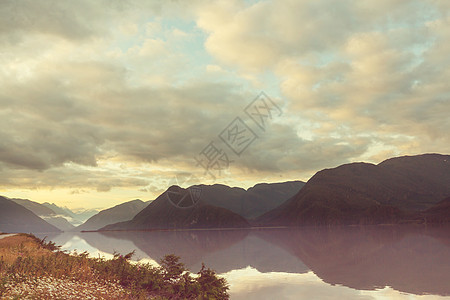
[(395, 190), (162, 214), (252, 202)]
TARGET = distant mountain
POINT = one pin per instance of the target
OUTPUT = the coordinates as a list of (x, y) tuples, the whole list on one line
[(46, 213), (119, 213), (393, 191), (76, 218), (84, 214), (250, 203), (161, 214), (16, 218), (64, 211)]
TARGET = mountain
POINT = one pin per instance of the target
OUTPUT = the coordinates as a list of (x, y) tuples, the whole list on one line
[(393, 191), (16, 218), (45, 213), (37, 208), (119, 213), (250, 203), (162, 214), (76, 218)]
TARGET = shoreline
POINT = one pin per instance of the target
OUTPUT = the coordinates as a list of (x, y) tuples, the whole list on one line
[(416, 225)]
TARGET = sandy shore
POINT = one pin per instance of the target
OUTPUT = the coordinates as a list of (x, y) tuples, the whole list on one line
[(2, 236)]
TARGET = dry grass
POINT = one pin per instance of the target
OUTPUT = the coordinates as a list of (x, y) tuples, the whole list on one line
[(31, 268), (19, 246)]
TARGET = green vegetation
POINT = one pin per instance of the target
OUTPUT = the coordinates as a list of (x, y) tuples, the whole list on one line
[(34, 269)]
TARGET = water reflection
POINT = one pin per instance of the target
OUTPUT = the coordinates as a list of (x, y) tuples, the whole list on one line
[(222, 250), (413, 260)]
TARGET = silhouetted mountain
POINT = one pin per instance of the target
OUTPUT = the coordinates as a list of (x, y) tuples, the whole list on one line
[(412, 259), (247, 203), (250, 203), (361, 193), (46, 213), (162, 214), (119, 213), (16, 218)]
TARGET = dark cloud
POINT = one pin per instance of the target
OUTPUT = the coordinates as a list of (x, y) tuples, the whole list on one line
[(89, 111)]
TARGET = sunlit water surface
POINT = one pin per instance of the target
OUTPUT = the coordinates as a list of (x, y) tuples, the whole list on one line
[(385, 262)]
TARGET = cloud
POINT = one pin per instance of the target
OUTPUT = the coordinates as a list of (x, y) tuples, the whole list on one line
[(373, 68), (86, 87), (47, 122)]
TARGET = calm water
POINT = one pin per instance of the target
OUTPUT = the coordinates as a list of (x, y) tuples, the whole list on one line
[(311, 263)]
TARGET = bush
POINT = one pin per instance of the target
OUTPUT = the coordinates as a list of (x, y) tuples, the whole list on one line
[(211, 286)]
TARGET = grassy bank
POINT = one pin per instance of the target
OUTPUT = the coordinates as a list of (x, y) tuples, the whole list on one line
[(31, 268)]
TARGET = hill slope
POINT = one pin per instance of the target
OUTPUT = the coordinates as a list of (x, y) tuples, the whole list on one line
[(16, 218), (161, 214), (119, 213), (360, 193)]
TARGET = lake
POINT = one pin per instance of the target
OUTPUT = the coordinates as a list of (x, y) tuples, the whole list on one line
[(372, 262)]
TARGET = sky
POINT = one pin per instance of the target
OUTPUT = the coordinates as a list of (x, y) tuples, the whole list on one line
[(102, 102)]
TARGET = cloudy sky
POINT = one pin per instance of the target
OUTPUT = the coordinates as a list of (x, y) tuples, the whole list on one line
[(107, 101)]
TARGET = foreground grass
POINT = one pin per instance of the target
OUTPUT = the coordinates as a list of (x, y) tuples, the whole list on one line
[(31, 268)]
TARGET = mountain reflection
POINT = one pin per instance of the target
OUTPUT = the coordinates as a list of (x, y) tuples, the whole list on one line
[(409, 259), (221, 250)]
